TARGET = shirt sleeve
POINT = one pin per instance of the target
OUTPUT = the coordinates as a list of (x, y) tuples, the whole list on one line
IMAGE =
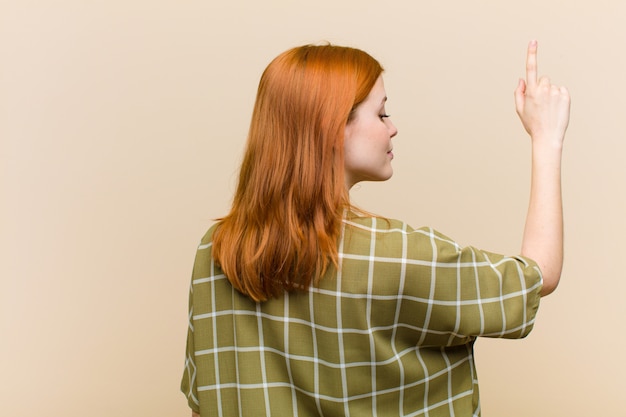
[(188, 383), (465, 292)]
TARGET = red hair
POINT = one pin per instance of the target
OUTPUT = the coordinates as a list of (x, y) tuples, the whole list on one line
[(283, 228)]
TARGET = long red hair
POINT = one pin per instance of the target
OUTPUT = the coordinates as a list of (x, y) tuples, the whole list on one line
[(283, 228)]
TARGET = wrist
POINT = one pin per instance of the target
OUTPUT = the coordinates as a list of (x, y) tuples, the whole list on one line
[(547, 148), (547, 141)]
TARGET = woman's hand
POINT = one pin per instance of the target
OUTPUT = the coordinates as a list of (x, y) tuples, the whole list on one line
[(542, 107)]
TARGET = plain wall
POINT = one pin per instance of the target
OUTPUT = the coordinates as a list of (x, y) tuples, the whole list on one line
[(122, 124)]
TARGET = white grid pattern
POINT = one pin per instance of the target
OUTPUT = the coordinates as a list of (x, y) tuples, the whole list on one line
[(393, 326)]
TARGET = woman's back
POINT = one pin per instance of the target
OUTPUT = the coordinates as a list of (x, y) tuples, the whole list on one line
[(389, 332)]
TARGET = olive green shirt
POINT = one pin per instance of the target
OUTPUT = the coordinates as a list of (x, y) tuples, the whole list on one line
[(390, 332)]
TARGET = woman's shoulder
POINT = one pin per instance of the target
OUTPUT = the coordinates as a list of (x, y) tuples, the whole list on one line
[(208, 236), (383, 224), (394, 227)]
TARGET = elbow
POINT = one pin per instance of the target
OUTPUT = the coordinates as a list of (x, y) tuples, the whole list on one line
[(548, 289), (551, 269), (550, 283)]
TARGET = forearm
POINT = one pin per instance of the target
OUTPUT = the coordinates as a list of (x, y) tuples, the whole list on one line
[(543, 233)]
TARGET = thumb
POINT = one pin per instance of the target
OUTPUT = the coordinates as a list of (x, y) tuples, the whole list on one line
[(519, 95)]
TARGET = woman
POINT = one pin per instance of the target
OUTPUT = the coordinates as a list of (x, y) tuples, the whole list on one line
[(302, 305)]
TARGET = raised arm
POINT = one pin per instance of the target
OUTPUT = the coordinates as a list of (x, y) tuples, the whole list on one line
[(543, 109)]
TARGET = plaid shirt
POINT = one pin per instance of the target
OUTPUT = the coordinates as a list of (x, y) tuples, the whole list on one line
[(390, 332)]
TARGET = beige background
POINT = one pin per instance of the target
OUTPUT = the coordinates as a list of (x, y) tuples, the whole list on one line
[(121, 128)]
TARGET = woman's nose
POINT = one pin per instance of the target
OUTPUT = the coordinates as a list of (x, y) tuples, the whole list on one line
[(393, 131)]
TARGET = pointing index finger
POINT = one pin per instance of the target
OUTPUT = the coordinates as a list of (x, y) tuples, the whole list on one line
[(531, 64)]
